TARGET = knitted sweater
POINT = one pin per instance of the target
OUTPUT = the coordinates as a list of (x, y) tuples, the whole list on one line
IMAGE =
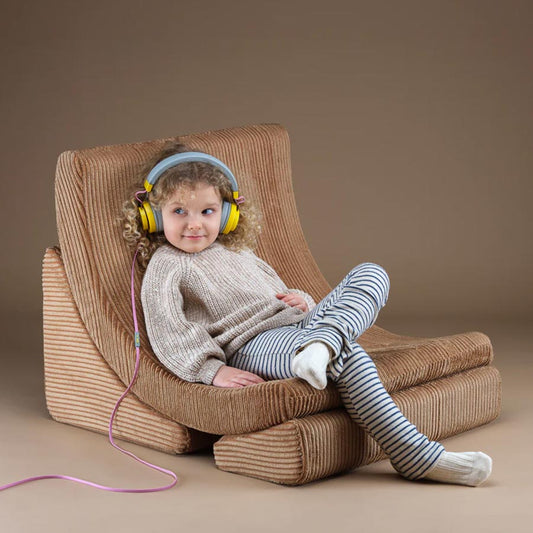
[(200, 308)]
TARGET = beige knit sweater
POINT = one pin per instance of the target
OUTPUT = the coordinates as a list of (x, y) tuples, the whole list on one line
[(200, 308)]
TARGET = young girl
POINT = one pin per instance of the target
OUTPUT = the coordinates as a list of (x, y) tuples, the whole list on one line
[(217, 314)]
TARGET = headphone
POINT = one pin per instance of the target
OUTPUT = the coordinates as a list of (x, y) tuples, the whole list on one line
[(152, 219)]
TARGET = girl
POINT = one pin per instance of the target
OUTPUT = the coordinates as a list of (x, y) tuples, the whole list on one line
[(217, 314)]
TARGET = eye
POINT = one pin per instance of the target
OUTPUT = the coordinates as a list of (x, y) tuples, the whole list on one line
[(208, 211), (178, 211)]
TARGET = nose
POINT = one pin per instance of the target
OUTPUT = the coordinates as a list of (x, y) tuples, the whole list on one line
[(194, 223)]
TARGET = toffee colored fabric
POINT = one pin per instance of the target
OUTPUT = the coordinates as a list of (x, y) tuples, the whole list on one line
[(82, 390), (88, 325), (317, 446)]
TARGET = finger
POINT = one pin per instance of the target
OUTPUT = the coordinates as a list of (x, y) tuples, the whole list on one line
[(251, 383), (253, 379), (239, 383), (251, 375), (249, 380)]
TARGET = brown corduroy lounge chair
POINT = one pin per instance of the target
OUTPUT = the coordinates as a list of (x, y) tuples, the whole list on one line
[(282, 431)]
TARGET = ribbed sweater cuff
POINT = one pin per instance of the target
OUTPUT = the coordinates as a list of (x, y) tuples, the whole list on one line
[(209, 369)]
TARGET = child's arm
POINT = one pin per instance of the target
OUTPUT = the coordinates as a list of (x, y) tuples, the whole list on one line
[(185, 348)]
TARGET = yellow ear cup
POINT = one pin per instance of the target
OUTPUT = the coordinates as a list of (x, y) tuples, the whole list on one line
[(233, 220), (147, 217)]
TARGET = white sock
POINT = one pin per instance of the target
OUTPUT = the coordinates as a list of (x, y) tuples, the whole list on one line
[(466, 468), (311, 364)]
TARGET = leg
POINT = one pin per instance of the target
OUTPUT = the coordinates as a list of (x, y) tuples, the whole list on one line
[(344, 314), (339, 319), (411, 453), (269, 354), (349, 309)]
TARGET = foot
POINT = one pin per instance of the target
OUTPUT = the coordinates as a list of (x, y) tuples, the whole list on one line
[(311, 364), (466, 468)]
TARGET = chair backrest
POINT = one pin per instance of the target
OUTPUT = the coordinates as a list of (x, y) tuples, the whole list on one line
[(91, 186)]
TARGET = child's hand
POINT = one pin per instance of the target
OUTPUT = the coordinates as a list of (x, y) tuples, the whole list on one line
[(294, 300), (228, 376)]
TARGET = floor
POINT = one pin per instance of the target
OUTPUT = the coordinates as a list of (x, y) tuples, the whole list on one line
[(370, 499)]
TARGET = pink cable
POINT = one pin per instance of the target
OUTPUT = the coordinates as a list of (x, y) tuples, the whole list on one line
[(158, 468), (137, 195)]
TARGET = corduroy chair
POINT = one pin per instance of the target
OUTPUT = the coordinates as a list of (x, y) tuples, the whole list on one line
[(282, 431)]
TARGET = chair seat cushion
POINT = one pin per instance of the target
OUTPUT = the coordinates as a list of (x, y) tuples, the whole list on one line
[(402, 362)]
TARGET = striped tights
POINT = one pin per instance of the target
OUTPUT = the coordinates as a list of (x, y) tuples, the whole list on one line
[(338, 320)]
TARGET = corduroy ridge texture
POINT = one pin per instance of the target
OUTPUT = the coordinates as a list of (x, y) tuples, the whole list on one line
[(317, 446), (82, 390), (91, 186)]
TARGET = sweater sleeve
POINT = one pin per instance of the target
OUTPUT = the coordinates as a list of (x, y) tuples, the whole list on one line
[(184, 347), (273, 276)]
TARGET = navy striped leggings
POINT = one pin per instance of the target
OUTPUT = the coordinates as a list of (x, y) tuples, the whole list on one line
[(338, 320)]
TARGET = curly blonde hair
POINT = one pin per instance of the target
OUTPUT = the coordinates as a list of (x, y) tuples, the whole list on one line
[(186, 175)]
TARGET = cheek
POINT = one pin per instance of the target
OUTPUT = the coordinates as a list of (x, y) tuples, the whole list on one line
[(216, 225), (166, 232), (170, 225)]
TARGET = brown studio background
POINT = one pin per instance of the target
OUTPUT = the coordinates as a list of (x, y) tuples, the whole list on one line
[(411, 134), (410, 127)]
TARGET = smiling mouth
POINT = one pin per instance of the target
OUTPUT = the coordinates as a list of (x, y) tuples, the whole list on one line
[(193, 236)]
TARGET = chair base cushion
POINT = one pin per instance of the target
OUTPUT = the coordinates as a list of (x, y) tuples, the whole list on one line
[(306, 449)]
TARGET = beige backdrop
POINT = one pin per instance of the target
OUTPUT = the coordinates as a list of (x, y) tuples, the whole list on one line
[(410, 125), (411, 129)]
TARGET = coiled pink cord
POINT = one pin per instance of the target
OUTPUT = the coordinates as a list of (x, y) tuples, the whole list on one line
[(158, 468)]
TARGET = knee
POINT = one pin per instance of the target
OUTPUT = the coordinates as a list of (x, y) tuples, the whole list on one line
[(377, 277)]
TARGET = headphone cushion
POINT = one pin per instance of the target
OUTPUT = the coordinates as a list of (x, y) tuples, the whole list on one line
[(158, 220), (226, 211)]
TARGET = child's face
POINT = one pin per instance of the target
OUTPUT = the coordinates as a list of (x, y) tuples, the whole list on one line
[(191, 217)]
